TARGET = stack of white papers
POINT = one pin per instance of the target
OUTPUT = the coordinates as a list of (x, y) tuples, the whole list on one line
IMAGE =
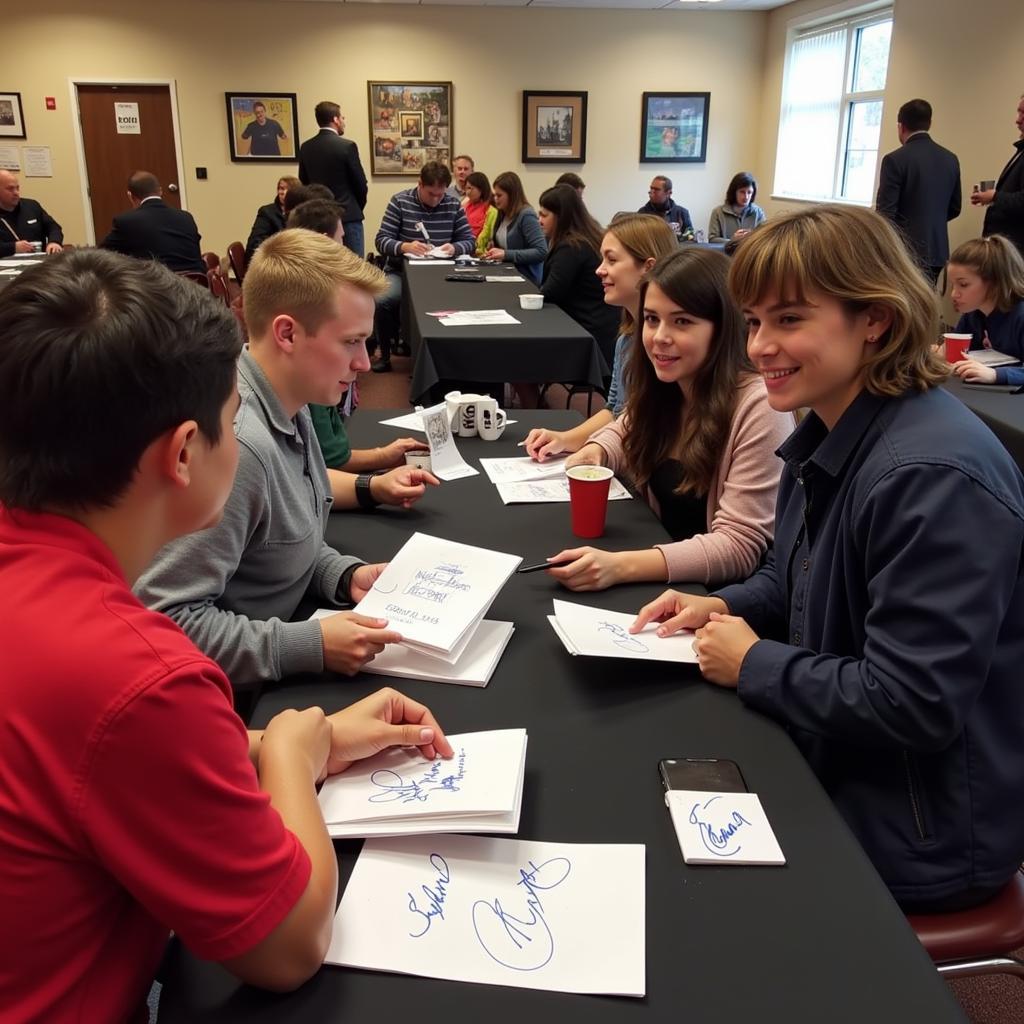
[(474, 668), (990, 357), (397, 793), (605, 634), (561, 917), (436, 257), (509, 471), (436, 592), (478, 318), (723, 828), (535, 491)]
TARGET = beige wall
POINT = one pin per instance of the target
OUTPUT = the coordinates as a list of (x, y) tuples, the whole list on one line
[(965, 59), (326, 50)]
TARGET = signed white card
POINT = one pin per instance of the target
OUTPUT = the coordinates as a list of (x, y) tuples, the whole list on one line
[(561, 917), (478, 318), (434, 591), (605, 634), (482, 778), (527, 492), (723, 828), (446, 462)]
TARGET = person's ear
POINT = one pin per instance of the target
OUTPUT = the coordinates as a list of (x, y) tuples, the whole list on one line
[(878, 321), (648, 263), (285, 331), (177, 452)]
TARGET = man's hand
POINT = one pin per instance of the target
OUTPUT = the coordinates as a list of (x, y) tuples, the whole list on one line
[(983, 198), (721, 646), (589, 455), (384, 719), (402, 486), (363, 579), (351, 640), (676, 611), (415, 248), (54, 247), (22, 246), (977, 373), (588, 569), (394, 454), (541, 443), (292, 734), (448, 249)]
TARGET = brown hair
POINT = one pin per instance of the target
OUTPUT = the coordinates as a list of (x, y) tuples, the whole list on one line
[(573, 223), (644, 237), (511, 184), (299, 272), (996, 261), (663, 423), (856, 257)]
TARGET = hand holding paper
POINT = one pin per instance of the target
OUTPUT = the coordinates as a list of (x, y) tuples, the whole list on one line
[(601, 633)]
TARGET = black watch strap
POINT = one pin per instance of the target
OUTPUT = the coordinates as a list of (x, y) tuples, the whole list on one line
[(364, 496)]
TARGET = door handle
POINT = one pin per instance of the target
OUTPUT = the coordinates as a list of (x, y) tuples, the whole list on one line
[(172, 187)]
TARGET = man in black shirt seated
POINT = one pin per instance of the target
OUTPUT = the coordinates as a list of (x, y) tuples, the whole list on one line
[(24, 225)]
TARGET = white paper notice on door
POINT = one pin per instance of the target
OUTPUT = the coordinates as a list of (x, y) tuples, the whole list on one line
[(561, 917)]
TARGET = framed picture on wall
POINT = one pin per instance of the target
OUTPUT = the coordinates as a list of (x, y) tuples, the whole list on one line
[(12, 118), (674, 127), (410, 125), (262, 126), (554, 127)]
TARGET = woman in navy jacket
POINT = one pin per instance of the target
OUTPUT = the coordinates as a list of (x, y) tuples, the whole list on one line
[(270, 218), (517, 234), (885, 630)]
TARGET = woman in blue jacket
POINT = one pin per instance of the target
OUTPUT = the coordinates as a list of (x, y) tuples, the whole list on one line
[(517, 234), (885, 629)]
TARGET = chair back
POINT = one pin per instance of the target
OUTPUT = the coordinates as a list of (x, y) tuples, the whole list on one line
[(236, 257), (218, 285), (195, 276), (212, 260)]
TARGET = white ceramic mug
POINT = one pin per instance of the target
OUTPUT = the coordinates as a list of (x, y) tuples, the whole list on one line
[(490, 420), (531, 301), (451, 402), (465, 418)]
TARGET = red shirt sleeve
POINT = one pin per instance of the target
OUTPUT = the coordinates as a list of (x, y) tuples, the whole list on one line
[(172, 806)]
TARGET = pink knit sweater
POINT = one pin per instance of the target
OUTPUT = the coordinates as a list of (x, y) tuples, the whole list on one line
[(741, 498)]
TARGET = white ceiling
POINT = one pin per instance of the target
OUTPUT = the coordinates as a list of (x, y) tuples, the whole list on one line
[(641, 5)]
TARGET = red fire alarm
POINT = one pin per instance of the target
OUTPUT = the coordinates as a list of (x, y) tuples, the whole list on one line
[(51, 103)]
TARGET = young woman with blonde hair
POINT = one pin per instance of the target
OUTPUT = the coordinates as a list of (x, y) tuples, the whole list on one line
[(885, 630)]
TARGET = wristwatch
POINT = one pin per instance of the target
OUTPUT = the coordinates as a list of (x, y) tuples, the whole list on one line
[(364, 496)]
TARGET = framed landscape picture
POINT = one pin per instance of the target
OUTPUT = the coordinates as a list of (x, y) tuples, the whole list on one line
[(674, 127), (12, 118), (554, 127), (410, 125), (262, 126)]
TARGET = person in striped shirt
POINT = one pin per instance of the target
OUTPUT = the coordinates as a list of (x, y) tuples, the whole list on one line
[(416, 221)]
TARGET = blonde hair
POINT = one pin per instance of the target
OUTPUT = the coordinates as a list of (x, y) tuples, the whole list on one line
[(996, 261), (856, 257), (645, 237), (298, 272)]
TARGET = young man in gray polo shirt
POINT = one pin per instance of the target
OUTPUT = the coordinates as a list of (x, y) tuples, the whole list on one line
[(309, 308)]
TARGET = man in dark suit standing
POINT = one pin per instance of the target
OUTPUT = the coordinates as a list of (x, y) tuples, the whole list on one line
[(328, 159), (919, 187), (1005, 202), (152, 230)]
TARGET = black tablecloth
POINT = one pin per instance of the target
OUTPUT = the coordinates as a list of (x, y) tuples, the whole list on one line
[(819, 940), (1001, 411), (546, 345)]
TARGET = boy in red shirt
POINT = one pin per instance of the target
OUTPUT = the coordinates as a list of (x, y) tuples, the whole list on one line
[(132, 800)]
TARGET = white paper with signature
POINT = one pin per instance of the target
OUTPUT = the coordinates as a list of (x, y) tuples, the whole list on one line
[(434, 591), (446, 462), (723, 828), (605, 634), (532, 492), (561, 917), (508, 471), (483, 778)]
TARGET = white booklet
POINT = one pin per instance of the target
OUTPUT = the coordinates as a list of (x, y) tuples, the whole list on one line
[(474, 667), (991, 357), (560, 917), (478, 318), (446, 462), (536, 491), (723, 828), (435, 592), (400, 793), (605, 634), (508, 471)]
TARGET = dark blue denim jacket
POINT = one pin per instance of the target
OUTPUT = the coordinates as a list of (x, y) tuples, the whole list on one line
[(892, 612)]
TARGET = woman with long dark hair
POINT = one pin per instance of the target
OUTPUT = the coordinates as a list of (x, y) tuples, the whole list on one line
[(270, 218), (698, 437)]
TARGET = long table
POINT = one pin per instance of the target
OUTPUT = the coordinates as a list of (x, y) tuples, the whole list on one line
[(1002, 413), (818, 940), (546, 345)]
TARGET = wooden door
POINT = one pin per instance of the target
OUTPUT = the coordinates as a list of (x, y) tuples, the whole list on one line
[(111, 156)]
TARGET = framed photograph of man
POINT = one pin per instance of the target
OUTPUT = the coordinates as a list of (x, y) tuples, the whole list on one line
[(262, 126), (674, 127), (12, 119), (405, 119), (554, 127)]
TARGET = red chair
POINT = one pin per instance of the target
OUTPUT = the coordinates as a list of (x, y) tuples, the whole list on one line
[(218, 286), (979, 940), (236, 257), (212, 260), (195, 276)]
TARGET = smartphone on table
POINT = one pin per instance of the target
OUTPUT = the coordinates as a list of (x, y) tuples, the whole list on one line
[(703, 774)]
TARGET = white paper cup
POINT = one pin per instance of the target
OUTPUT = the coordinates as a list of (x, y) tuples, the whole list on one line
[(530, 301), (451, 401), (418, 460)]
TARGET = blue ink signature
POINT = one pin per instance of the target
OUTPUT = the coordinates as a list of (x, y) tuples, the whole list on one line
[(395, 787), (435, 896), (521, 943), (715, 840), (622, 639)]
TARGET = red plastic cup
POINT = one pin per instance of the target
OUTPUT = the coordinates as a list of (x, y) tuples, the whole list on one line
[(588, 498), (956, 346)]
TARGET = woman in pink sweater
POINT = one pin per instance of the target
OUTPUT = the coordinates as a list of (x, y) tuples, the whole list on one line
[(698, 437)]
